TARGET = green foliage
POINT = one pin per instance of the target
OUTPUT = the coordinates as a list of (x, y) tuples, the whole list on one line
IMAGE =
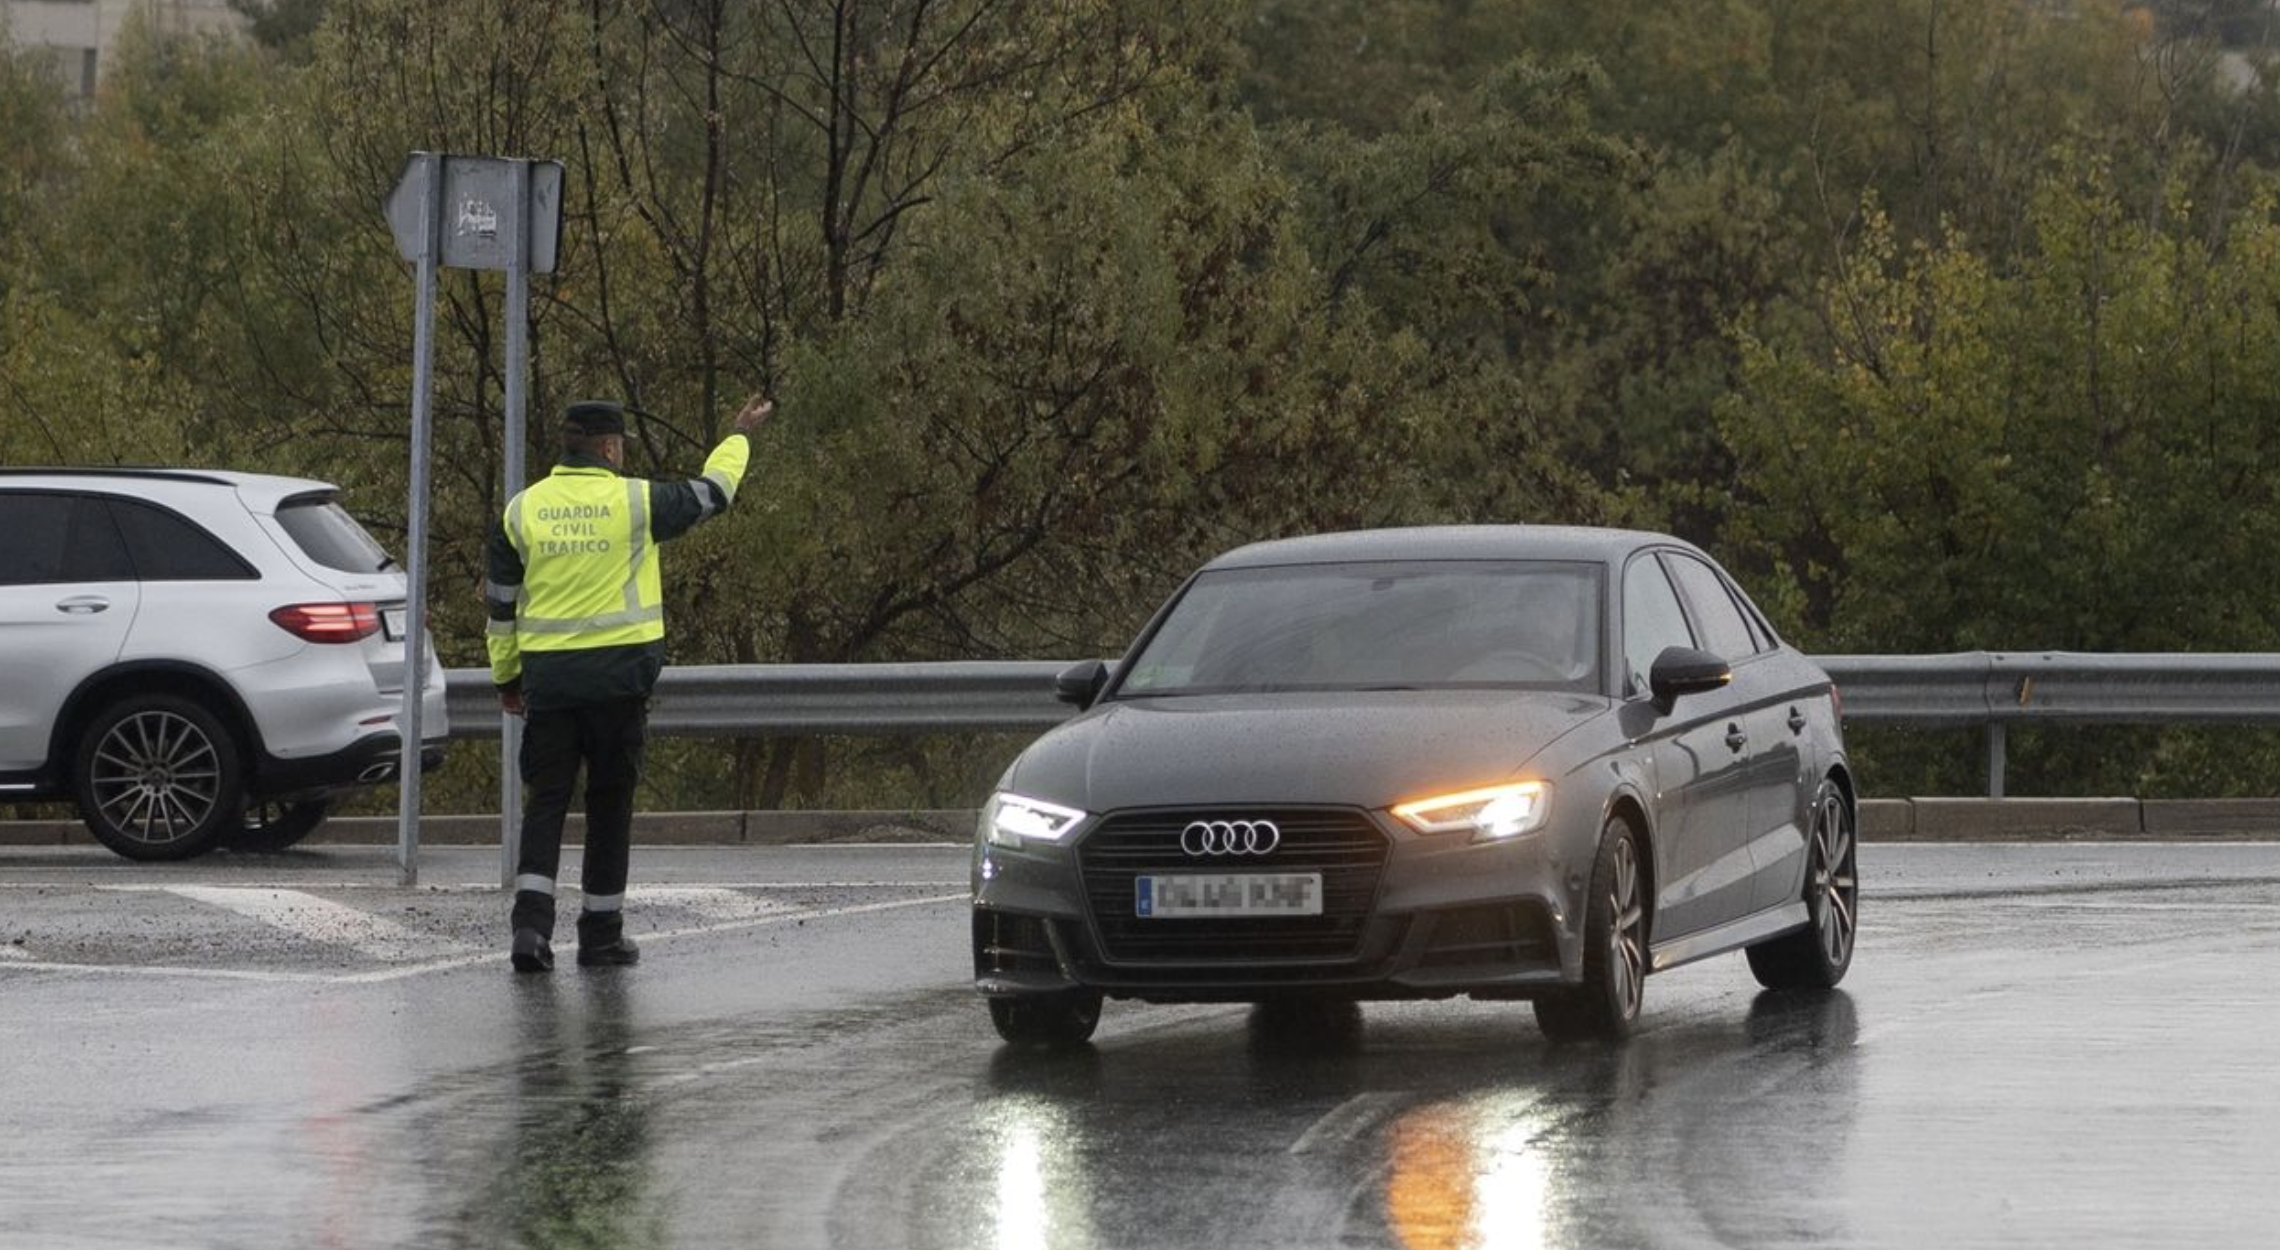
[(32, 156), (285, 25), (2073, 452)]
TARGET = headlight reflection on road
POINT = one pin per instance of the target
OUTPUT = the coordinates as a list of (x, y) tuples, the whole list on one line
[(1471, 1177), (1514, 1183), (1042, 1203)]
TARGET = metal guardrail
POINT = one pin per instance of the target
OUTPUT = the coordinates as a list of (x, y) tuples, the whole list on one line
[(1983, 687), (1993, 689), (763, 700), (1997, 689)]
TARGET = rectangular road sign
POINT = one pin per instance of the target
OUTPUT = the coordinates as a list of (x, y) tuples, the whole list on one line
[(478, 195)]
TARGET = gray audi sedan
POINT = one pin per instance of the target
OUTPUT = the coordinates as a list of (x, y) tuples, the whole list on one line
[(1508, 762)]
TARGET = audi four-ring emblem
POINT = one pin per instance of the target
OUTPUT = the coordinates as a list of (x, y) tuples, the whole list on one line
[(1230, 837)]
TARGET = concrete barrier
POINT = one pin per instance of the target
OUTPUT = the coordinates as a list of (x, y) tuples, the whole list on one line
[(650, 829), (2026, 820), (1887, 820), (1881, 820), (2214, 819), (689, 828)]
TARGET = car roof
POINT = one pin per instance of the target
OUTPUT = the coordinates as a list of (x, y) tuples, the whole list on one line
[(261, 492), (1449, 542)]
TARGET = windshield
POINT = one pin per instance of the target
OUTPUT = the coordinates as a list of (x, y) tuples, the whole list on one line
[(1409, 626)]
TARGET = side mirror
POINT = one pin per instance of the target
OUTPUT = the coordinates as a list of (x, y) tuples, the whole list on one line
[(1081, 683), (1684, 670)]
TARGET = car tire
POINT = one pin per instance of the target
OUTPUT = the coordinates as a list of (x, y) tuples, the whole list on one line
[(158, 777), (1816, 956), (1606, 1006), (1067, 1018), (270, 826)]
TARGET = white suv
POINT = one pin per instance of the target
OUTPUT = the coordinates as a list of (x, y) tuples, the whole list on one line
[(198, 659)]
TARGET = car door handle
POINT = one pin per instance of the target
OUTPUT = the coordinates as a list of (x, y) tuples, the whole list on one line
[(1796, 721), (1735, 738), (82, 605)]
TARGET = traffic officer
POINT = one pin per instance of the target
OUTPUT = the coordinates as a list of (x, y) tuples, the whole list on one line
[(577, 637)]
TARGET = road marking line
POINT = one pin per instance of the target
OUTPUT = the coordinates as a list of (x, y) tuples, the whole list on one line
[(320, 920), (709, 901), (461, 961), (1347, 1121), (808, 885), (162, 970), (801, 915), (475, 887)]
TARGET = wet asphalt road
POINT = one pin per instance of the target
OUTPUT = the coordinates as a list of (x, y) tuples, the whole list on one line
[(2038, 1046)]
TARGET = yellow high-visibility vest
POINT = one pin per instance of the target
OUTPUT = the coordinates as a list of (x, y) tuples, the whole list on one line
[(589, 567), (587, 548)]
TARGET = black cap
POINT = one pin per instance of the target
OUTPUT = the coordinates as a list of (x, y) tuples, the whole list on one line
[(595, 416)]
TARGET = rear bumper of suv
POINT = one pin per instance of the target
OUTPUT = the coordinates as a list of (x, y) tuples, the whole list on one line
[(370, 760)]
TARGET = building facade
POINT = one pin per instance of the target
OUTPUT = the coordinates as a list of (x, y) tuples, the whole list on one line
[(78, 34)]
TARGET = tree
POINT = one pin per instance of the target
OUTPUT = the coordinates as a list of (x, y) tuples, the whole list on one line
[(2074, 451), (33, 153)]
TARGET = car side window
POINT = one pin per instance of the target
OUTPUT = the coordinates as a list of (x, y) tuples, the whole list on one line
[(167, 548), (1652, 621), (1759, 630), (59, 539), (1716, 616)]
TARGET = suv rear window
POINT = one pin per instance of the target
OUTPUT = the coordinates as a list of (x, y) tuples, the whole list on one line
[(331, 537)]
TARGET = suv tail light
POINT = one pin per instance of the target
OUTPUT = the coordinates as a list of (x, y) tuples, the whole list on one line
[(328, 622)]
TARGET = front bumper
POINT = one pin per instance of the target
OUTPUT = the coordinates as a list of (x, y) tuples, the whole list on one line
[(1422, 917)]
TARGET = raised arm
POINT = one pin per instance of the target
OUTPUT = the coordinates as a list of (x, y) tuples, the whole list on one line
[(675, 508)]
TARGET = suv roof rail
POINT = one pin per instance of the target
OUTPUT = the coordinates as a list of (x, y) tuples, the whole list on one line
[(145, 471)]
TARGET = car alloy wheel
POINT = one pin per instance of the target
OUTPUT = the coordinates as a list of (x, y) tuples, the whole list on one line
[(1835, 888), (158, 778), (1606, 1006), (1817, 956)]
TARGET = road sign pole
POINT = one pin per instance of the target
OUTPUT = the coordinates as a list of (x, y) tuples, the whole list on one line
[(415, 630), (470, 194), (518, 383)]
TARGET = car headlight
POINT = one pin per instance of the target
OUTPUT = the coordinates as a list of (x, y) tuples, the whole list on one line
[(1008, 818), (1490, 813)]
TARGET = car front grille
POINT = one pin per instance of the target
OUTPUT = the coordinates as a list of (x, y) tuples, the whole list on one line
[(1340, 843)]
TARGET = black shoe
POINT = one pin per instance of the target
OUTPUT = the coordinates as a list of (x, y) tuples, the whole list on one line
[(615, 954), (532, 952)]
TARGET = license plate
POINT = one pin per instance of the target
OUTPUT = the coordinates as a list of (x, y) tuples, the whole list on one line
[(1228, 894), (392, 622)]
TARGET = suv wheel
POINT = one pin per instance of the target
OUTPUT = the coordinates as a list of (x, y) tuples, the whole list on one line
[(159, 777), (273, 826)]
